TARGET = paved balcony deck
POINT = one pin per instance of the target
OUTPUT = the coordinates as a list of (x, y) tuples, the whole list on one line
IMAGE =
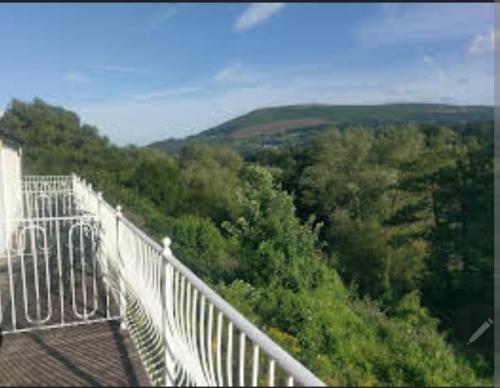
[(96, 354)]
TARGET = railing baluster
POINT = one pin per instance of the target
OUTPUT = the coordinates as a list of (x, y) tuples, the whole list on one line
[(189, 290), (229, 355), (94, 269), (169, 379), (34, 253), (209, 341), (182, 310), (60, 270), (11, 287), (255, 366), (102, 252), (271, 373), (83, 271), (242, 359), (122, 270), (193, 325), (203, 353), (220, 321), (72, 268)]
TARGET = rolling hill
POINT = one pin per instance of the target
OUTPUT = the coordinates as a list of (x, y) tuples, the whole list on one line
[(275, 126)]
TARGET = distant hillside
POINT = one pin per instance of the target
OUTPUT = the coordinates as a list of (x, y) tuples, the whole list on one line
[(275, 126)]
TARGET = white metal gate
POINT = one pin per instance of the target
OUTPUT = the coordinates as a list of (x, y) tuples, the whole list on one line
[(51, 273)]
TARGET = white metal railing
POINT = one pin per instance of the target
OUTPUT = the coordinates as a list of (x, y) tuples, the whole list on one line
[(171, 312), (90, 260)]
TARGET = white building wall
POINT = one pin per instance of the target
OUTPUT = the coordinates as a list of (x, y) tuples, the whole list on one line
[(10, 191)]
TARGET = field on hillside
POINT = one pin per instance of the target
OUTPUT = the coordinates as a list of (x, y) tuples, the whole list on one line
[(271, 127)]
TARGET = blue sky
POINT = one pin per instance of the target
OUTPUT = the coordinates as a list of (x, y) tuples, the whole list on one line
[(146, 72)]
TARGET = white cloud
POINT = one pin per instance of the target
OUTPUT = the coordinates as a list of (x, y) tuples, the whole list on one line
[(159, 20), (237, 73), (256, 14), (116, 69), (389, 8), (424, 23), (436, 68), (75, 76), (166, 93), (482, 43), (457, 83)]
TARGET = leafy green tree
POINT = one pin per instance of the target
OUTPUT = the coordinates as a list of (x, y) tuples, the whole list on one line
[(199, 245), (211, 176), (275, 247), (356, 186), (158, 177)]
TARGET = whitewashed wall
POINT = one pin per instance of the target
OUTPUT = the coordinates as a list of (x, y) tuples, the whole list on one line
[(10, 191)]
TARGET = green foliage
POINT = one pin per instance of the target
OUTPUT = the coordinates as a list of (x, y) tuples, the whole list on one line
[(275, 248), (404, 209), (200, 245), (356, 185), (351, 342), (158, 177), (211, 175)]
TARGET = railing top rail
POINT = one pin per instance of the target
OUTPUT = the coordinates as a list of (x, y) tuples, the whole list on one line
[(46, 176), (39, 178), (42, 191), (48, 219)]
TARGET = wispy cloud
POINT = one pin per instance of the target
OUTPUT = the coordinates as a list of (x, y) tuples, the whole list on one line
[(450, 82), (231, 76), (166, 93), (482, 43), (115, 68), (75, 76), (238, 74), (423, 23), (389, 9), (161, 19), (255, 14), (436, 68)]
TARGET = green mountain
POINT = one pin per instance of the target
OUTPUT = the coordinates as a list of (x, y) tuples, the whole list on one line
[(275, 126)]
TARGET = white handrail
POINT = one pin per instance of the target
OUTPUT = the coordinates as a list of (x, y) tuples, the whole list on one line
[(283, 358)]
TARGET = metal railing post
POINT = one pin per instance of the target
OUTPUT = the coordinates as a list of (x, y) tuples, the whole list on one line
[(121, 279), (168, 361), (19, 201), (103, 253), (3, 169)]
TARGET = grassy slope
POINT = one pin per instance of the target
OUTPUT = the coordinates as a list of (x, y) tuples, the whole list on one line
[(333, 115)]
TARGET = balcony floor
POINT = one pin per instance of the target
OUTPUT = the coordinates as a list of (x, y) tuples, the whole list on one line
[(96, 354)]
